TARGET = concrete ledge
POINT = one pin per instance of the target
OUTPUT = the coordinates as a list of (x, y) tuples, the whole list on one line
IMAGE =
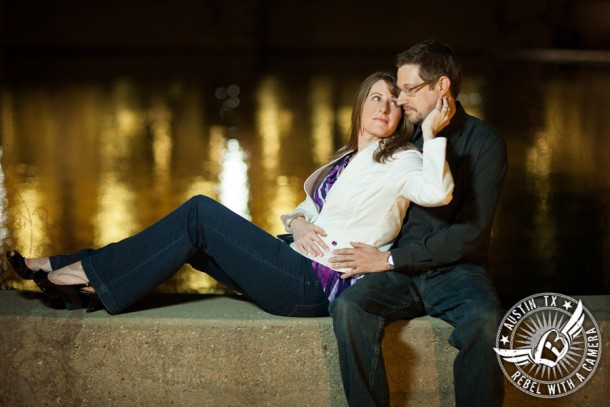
[(218, 351)]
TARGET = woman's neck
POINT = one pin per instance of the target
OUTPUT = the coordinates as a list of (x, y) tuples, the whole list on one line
[(365, 141)]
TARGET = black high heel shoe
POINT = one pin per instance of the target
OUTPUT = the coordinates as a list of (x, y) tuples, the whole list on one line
[(73, 295), (17, 262)]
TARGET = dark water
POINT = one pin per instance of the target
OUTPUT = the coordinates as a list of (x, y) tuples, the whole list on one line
[(96, 149)]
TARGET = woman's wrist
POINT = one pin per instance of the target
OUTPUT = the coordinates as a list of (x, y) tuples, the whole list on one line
[(428, 134), (292, 220)]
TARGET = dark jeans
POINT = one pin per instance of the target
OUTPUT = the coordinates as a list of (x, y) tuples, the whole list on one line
[(463, 296), (212, 239)]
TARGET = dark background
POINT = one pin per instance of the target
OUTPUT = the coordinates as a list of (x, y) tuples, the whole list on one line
[(71, 39)]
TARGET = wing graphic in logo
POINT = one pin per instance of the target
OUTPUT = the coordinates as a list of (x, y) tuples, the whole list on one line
[(552, 346)]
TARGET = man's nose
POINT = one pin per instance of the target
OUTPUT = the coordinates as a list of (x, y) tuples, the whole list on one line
[(402, 98)]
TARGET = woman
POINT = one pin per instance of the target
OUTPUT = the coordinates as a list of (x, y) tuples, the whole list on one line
[(374, 177)]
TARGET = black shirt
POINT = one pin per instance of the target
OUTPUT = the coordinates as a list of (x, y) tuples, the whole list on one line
[(459, 232)]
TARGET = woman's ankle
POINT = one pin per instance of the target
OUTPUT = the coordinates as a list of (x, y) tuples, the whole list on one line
[(39, 263), (72, 274)]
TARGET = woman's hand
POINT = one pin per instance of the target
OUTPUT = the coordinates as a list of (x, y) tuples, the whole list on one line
[(307, 237), (438, 118)]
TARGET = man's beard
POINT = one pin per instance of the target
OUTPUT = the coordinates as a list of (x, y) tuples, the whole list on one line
[(416, 120)]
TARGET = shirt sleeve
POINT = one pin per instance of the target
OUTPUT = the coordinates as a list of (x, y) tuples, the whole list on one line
[(307, 208), (471, 226), (427, 178)]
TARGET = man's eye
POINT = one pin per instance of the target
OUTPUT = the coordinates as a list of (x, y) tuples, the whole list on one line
[(394, 103)]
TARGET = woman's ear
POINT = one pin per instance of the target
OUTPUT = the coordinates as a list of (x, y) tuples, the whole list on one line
[(444, 84)]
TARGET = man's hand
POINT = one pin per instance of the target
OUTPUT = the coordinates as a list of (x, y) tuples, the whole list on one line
[(361, 259)]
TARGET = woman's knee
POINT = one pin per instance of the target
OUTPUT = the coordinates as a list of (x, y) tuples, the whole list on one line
[(205, 204), (201, 200)]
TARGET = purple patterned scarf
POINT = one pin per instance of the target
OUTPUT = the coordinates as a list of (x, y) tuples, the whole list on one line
[(330, 279)]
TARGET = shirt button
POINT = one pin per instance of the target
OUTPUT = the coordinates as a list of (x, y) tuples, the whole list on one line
[(334, 243)]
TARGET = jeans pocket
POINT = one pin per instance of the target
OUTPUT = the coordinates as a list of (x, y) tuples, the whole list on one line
[(310, 310)]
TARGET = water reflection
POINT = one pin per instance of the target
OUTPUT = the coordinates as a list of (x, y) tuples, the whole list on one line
[(116, 209), (233, 180), (88, 164), (3, 203), (538, 169), (272, 119), (321, 97)]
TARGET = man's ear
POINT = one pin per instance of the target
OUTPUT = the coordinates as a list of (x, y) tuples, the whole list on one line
[(444, 84)]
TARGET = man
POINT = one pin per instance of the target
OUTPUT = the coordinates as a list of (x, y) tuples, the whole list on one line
[(439, 265)]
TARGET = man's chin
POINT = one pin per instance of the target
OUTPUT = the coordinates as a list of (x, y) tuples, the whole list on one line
[(414, 118)]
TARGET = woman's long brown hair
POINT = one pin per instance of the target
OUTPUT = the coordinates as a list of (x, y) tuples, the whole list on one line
[(400, 140)]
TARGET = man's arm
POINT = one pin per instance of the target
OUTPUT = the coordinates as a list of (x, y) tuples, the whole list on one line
[(473, 221)]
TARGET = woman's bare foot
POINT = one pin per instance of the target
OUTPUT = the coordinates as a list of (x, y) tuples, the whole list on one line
[(40, 263), (72, 274)]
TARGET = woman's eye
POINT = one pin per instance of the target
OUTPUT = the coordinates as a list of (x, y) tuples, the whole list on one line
[(394, 103), (376, 98)]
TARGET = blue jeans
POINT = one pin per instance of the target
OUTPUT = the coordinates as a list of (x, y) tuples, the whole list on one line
[(463, 296), (212, 239)]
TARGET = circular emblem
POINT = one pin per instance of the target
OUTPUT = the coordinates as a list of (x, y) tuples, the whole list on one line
[(548, 345)]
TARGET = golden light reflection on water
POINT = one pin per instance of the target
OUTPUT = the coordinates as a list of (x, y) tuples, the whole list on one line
[(28, 223), (288, 192), (321, 96), (160, 117), (6, 132), (274, 123), (344, 119), (565, 145), (90, 164), (538, 166), (3, 198), (116, 210), (268, 121), (233, 180), (116, 215), (208, 185), (471, 96)]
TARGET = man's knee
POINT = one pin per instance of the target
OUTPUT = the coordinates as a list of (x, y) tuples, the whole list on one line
[(479, 324), (340, 307), (347, 309)]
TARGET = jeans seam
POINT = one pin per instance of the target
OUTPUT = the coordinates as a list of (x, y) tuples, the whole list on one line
[(376, 354)]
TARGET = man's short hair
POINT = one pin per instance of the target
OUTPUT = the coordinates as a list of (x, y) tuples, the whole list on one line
[(434, 60)]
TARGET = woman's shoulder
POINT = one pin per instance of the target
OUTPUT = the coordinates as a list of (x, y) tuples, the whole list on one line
[(406, 153)]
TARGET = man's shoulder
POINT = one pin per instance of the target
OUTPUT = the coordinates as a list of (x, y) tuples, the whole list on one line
[(476, 125), (481, 132)]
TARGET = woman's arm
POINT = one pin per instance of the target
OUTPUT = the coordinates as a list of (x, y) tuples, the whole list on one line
[(426, 179), (306, 235)]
